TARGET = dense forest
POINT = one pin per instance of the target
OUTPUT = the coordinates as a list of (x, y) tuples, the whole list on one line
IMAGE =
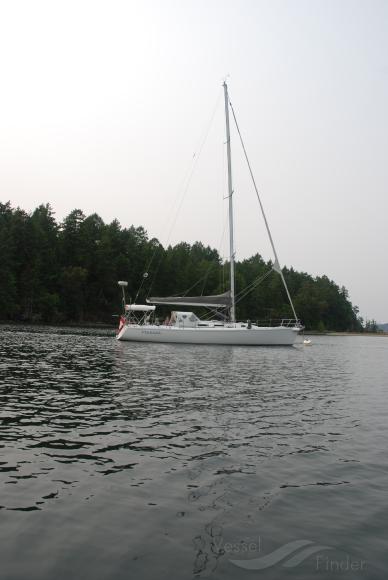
[(68, 272)]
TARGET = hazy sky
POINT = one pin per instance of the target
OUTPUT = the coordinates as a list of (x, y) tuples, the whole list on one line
[(103, 105)]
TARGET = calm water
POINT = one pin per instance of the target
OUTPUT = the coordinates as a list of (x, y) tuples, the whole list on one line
[(138, 461)]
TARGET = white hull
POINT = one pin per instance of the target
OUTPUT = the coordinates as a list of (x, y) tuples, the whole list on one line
[(276, 335)]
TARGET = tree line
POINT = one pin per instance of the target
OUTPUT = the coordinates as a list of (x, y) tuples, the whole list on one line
[(67, 272)]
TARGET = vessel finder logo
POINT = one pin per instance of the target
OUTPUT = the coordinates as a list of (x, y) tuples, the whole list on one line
[(290, 555)]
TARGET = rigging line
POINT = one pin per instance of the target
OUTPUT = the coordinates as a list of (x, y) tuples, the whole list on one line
[(202, 278), (206, 276), (258, 279), (188, 179), (277, 267), (195, 160), (253, 286), (185, 185), (207, 315), (145, 275)]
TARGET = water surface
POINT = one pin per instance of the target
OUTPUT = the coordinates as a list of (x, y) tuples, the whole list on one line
[(124, 460)]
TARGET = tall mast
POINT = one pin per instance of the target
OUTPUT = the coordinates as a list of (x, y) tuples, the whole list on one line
[(230, 192)]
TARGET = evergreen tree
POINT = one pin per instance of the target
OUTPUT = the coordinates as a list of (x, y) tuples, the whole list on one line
[(69, 273)]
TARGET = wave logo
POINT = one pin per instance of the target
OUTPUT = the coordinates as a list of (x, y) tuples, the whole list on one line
[(286, 553)]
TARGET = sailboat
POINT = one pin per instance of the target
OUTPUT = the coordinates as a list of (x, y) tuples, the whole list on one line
[(137, 323)]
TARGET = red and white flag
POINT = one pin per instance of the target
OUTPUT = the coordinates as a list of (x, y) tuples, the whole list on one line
[(121, 323)]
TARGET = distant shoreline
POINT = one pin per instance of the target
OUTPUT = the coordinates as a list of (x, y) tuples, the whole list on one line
[(112, 326), (60, 324), (334, 333)]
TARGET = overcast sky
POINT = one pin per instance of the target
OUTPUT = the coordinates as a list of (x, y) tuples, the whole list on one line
[(104, 104)]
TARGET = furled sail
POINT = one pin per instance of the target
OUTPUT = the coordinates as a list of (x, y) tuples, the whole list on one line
[(218, 301)]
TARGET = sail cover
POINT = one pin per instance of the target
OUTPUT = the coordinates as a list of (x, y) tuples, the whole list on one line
[(217, 301)]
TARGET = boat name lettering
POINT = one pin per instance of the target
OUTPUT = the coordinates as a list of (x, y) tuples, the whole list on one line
[(150, 331)]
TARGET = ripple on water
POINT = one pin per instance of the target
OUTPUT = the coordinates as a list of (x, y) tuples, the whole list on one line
[(179, 451)]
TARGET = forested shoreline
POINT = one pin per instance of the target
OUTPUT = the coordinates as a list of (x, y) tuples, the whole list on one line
[(67, 272)]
